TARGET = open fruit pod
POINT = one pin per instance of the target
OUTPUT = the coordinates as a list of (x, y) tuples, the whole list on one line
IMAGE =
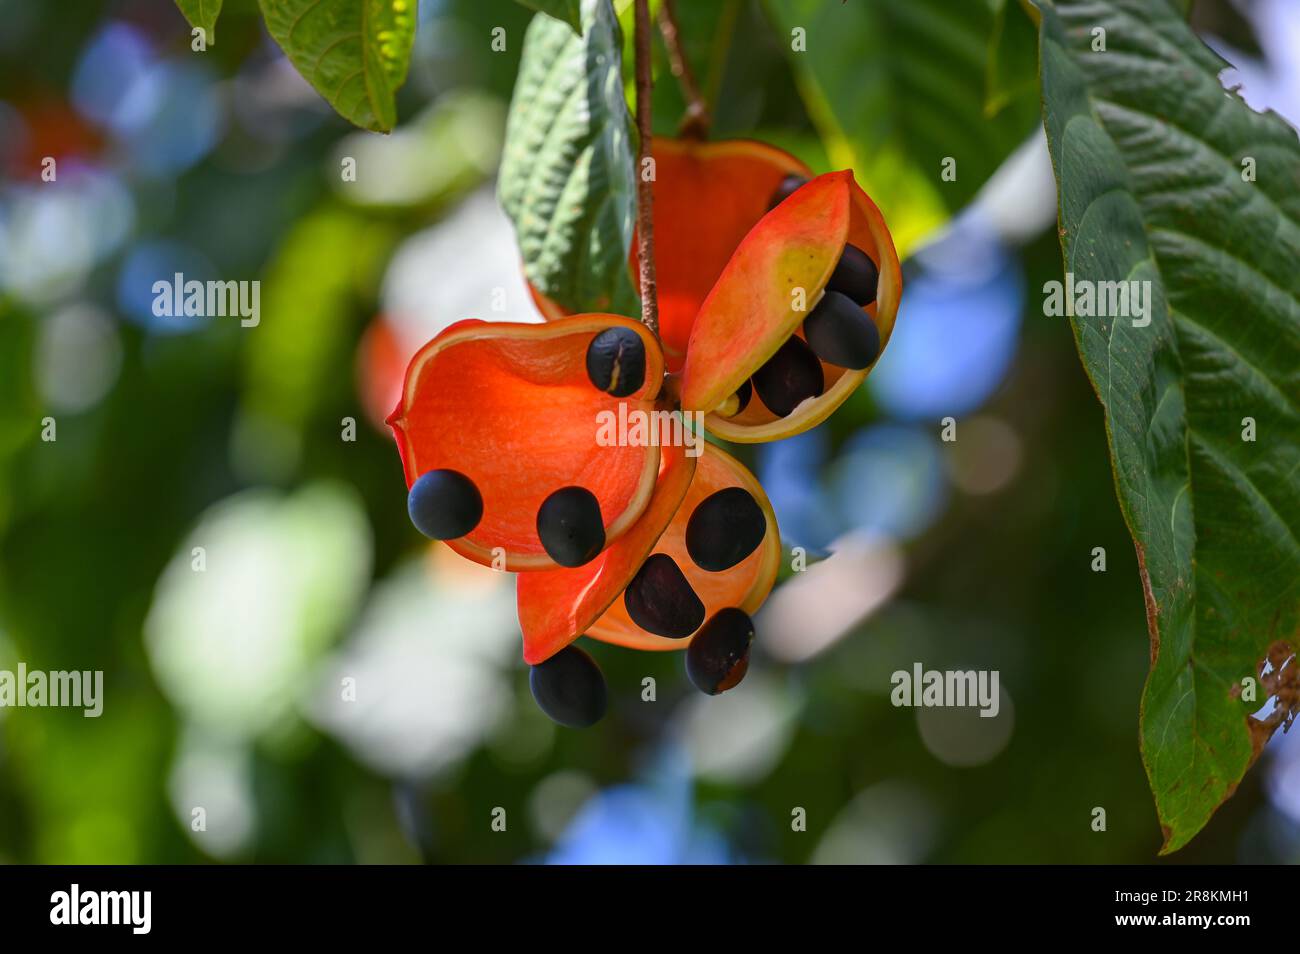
[(777, 294), (498, 429), (707, 196), (777, 291), (799, 316), (633, 531)]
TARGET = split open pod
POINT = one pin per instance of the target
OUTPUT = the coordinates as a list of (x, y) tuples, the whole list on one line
[(777, 290), (798, 317), (506, 440), (707, 196), (548, 449), (560, 450)]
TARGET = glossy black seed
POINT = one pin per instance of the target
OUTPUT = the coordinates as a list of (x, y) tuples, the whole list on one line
[(444, 504), (841, 333), (790, 376), (743, 394), (724, 529), (570, 688), (570, 526), (616, 361), (660, 599), (786, 189), (718, 657), (855, 275)]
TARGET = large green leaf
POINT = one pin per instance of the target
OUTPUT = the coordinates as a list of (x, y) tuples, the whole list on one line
[(567, 175), (355, 53), (897, 88), (1150, 153), (202, 14), (568, 11)]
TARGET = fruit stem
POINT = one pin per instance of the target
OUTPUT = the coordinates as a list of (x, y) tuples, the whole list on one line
[(644, 177), (695, 123)]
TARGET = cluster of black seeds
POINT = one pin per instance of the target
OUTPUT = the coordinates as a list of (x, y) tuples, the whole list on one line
[(836, 331), (445, 504), (725, 528), (570, 687)]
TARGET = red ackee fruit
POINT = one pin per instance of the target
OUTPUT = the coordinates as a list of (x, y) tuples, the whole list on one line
[(764, 273)]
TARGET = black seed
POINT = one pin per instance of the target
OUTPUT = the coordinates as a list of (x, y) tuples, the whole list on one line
[(660, 600), (855, 275), (570, 688), (616, 361), (841, 333), (786, 189), (743, 394), (570, 526), (718, 656), (790, 376), (724, 529), (444, 504)]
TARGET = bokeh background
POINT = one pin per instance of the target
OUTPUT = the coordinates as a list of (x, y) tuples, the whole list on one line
[(222, 687)]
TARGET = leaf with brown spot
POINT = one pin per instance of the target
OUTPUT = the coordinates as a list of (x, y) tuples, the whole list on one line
[(1148, 150)]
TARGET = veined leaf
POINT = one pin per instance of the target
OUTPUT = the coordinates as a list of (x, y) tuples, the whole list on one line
[(355, 53), (897, 89), (569, 11), (202, 14), (567, 170), (1167, 179)]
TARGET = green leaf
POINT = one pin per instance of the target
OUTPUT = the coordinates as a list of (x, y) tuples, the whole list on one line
[(567, 172), (202, 15), (1012, 70), (20, 406), (1151, 157), (355, 53), (897, 88), (566, 11)]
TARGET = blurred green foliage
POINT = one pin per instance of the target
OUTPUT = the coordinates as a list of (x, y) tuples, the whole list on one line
[(90, 522)]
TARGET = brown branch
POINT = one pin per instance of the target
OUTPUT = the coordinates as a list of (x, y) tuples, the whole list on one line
[(695, 123), (645, 252)]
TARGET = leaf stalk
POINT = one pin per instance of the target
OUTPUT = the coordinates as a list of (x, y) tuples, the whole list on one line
[(644, 171)]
